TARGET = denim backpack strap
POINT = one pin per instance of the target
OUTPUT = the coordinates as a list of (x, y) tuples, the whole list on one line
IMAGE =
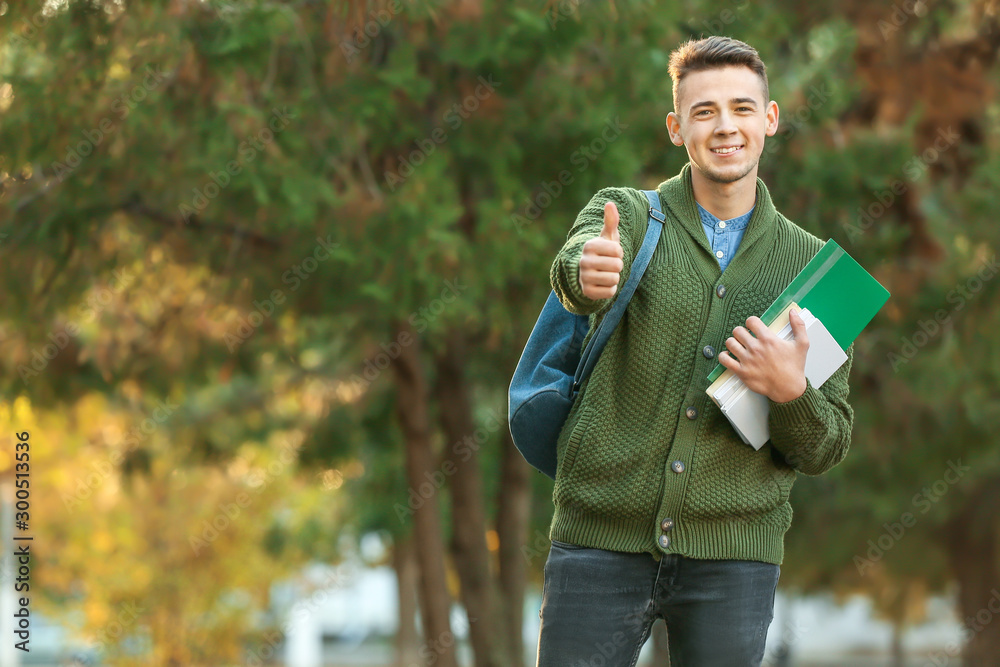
[(596, 344)]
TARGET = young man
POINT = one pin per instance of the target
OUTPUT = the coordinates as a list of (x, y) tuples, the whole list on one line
[(661, 510)]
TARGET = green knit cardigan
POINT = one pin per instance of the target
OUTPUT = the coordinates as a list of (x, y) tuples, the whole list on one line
[(647, 462)]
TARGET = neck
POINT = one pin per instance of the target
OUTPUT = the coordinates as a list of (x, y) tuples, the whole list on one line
[(725, 200)]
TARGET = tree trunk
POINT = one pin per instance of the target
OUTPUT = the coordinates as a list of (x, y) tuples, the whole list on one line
[(898, 658), (405, 565), (972, 549), (513, 515), (782, 654), (411, 410), (460, 460), (897, 600)]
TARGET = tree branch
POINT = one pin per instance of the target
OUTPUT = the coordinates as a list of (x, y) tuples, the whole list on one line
[(135, 206)]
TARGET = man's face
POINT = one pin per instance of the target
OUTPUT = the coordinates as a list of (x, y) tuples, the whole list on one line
[(722, 118)]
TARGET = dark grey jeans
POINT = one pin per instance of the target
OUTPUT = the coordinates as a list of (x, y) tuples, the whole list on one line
[(598, 607)]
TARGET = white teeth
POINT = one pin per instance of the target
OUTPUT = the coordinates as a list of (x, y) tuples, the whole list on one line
[(723, 151)]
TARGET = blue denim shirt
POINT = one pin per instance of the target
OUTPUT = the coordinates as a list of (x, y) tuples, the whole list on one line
[(724, 236)]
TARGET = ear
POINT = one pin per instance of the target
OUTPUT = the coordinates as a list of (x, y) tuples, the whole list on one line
[(772, 118), (674, 129)]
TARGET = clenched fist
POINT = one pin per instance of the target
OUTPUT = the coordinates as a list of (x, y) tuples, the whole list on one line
[(601, 263)]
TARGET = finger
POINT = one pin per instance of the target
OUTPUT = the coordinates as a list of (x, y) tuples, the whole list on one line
[(756, 325), (600, 292), (605, 248), (795, 319), (798, 327), (602, 278), (610, 230), (602, 263), (744, 337), (734, 347)]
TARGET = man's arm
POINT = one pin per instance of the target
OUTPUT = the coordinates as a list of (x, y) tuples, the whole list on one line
[(564, 274), (813, 431)]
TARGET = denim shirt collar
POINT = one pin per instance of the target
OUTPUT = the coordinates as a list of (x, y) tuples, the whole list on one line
[(735, 224)]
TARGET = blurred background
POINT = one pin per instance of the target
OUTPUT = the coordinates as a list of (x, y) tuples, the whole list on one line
[(267, 269)]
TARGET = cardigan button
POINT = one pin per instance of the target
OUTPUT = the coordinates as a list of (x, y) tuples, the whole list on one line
[(708, 351), (667, 524), (677, 466), (720, 291), (691, 412), (664, 541)]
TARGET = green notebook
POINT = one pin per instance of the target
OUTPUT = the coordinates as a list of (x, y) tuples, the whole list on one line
[(835, 289)]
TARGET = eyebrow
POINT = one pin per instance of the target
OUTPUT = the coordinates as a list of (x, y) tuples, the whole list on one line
[(735, 100)]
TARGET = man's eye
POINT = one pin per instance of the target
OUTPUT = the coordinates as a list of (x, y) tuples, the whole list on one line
[(746, 108), (703, 111)]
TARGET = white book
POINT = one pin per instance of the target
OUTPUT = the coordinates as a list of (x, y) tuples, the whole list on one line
[(748, 411)]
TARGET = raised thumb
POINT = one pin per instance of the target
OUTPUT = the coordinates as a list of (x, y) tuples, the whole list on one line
[(610, 230)]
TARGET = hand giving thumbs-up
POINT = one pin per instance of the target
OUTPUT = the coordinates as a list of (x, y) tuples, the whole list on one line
[(601, 263)]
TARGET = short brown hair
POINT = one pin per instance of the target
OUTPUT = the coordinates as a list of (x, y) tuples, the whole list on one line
[(712, 52)]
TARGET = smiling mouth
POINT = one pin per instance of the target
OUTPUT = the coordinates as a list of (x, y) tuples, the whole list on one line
[(727, 151)]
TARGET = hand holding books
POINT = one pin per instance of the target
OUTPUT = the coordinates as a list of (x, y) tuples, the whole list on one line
[(746, 409), (838, 298), (767, 364)]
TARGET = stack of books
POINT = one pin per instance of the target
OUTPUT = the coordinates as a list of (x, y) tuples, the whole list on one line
[(838, 299), (747, 410)]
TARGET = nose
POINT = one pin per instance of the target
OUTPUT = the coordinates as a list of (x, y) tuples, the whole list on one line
[(726, 124)]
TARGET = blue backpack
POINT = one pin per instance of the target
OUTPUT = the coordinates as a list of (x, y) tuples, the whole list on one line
[(551, 369)]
